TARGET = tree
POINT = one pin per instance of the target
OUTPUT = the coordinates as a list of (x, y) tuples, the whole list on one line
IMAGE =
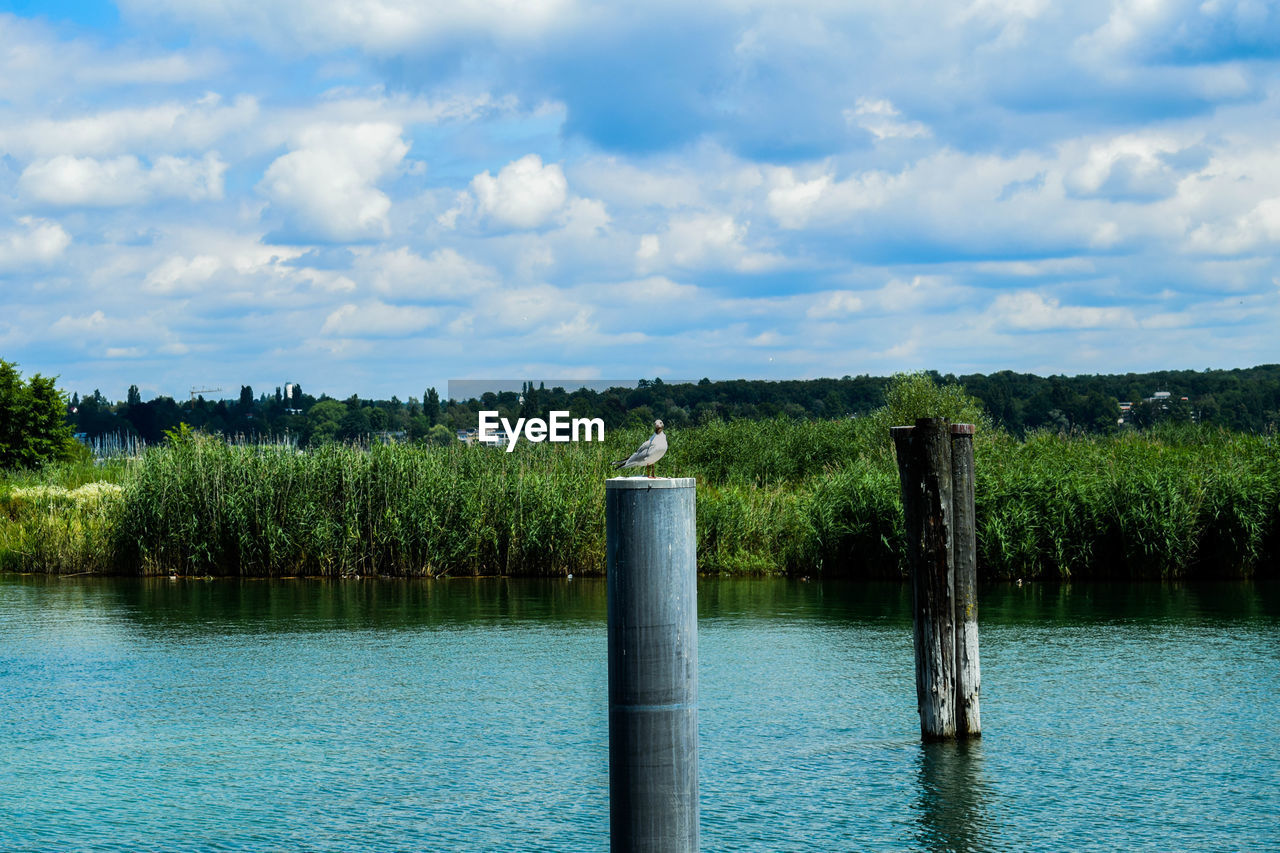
[(431, 406), (33, 425), (418, 427), (324, 420), (355, 424), (440, 435)]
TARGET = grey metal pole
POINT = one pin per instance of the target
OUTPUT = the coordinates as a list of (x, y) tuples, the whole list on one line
[(653, 664), (964, 549)]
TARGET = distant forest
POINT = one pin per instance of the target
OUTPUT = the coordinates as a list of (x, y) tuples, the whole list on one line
[(1246, 400)]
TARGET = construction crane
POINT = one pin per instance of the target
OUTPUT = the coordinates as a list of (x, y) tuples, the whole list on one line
[(202, 391)]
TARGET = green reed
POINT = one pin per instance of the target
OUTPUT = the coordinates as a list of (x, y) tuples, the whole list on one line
[(805, 498)]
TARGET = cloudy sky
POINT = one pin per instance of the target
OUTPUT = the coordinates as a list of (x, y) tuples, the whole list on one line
[(374, 196)]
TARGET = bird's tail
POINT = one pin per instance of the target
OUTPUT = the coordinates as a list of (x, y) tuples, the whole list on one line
[(619, 463)]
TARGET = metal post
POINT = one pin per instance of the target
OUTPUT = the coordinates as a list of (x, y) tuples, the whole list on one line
[(653, 664)]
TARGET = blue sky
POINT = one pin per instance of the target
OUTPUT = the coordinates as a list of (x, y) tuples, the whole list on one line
[(375, 196)]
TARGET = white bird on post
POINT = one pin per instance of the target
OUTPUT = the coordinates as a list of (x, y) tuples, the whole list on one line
[(648, 454)]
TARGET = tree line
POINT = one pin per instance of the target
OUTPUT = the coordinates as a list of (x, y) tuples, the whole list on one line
[(1246, 400)]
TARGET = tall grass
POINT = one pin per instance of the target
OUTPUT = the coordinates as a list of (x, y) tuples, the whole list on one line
[(806, 498), (205, 506), (1167, 503)]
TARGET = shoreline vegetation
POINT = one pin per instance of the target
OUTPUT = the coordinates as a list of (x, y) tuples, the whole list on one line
[(800, 497)]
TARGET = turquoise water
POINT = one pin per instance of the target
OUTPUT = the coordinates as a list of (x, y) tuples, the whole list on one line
[(470, 715)]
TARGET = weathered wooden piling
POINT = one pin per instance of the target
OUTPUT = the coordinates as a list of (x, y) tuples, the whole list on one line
[(964, 550), (653, 664), (935, 467), (924, 467)]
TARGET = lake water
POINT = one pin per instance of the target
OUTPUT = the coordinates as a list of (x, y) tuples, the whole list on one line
[(471, 715)]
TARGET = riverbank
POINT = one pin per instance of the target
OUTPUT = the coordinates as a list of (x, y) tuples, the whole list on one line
[(804, 498)]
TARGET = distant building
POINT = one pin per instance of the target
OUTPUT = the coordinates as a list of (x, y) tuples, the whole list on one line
[(472, 436), (496, 439), (1159, 401), (292, 397)]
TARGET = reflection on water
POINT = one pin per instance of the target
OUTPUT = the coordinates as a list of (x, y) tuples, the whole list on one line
[(953, 798), (387, 603), (471, 714)]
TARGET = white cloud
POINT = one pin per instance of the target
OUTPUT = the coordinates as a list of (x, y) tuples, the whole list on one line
[(38, 62), (444, 275), (285, 125), (69, 324), (792, 202), (86, 181), (703, 240), (525, 193), (326, 186), (377, 26), (182, 274), (655, 292), (1248, 231), (795, 203), (833, 305), (378, 320), (530, 307), (768, 338), (1143, 28), (656, 301), (880, 118), (630, 185), (577, 329), (156, 70), (126, 334), (584, 217), (898, 295), (161, 127), (1026, 310), (1046, 267), (1129, 167), (322, 281), (39, 242), (225, 266), (650, 247)]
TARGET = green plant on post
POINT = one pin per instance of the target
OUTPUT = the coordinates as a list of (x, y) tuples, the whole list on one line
[(916, 395)]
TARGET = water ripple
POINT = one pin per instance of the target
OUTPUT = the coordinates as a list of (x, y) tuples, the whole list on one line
[(471, 716)]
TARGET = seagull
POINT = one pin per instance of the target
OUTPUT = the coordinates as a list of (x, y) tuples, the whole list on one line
[(649, 453)]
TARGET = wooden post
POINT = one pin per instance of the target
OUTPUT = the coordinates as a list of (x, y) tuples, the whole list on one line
[(964, 550), (652, 591), (924, 466)]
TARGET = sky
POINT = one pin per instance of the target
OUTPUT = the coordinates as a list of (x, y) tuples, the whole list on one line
[(376, 196)]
